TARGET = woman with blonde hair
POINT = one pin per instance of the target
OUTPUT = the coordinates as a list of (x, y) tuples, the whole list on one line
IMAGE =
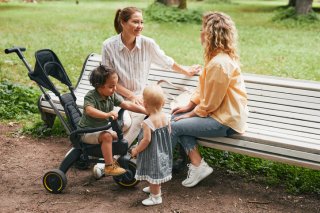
[(218, 107)]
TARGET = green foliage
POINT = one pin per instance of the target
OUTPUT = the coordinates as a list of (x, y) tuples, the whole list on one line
[(38, 129), (218, 1), (296, 180), (289, 15), (161, 13), (17, 101)]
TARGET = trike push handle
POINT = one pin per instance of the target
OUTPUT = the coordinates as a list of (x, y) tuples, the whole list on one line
[(17, 50)]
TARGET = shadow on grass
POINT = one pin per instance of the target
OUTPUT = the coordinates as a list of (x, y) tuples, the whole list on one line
[(268, 9), (4, 7)]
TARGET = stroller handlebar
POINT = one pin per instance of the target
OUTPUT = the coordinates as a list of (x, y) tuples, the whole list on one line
[(17, 50)]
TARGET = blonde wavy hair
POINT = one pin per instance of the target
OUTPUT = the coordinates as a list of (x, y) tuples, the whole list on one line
[(220, 35)]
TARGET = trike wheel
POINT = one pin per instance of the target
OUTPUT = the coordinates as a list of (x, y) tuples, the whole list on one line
[(127, 179), (54, 181)]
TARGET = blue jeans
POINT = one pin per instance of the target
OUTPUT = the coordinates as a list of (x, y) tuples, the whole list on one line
[(185, 131)]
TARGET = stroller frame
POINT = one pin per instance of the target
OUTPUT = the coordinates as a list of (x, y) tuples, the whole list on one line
[(81, 155)]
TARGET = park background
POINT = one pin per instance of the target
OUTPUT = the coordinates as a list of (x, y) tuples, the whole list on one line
[(271, 42)]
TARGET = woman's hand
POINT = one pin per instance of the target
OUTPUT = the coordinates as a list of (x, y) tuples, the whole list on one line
[(137, 99), (183, 109), (179, 110), (194, 69), (186, 115)]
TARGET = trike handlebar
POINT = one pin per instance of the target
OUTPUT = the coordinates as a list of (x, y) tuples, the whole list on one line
[(17, 50)]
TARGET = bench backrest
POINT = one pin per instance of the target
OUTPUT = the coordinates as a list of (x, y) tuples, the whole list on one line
[(289, 109)]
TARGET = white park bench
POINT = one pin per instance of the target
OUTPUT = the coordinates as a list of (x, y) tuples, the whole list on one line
[(283, 124)]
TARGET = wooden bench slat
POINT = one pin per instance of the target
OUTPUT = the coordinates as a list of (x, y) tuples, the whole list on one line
[(284, 114), (283, 82), (284, 131), (283, 102), (292, 127), (261, 151), (294, 139), (272, 148), (285, 96), (255, 86), (272, 106), (285, 120), (279, 142)]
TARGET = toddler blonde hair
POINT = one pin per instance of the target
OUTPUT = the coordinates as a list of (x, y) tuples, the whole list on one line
[(220, 35), (153, 97)]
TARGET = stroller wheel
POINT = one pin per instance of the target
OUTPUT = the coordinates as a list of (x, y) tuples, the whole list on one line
[(54, 181), (127, 179)]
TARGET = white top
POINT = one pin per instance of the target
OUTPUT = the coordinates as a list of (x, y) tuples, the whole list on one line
[(133, 66)]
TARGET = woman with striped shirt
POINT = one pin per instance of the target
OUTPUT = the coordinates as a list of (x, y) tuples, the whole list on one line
[(131, 55)]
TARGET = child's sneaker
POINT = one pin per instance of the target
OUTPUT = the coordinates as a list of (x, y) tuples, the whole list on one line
[(197, 174), (152, 200), (146, 189), (114, 169), (98, 171)]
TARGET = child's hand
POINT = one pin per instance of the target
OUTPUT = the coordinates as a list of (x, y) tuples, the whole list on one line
[(113, 115)]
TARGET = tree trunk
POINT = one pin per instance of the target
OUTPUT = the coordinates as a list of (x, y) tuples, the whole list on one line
[(168, 2), (292, 3), (303, 7), (183, 4)]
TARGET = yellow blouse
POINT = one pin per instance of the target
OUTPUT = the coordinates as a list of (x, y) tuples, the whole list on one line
[(221, 93)]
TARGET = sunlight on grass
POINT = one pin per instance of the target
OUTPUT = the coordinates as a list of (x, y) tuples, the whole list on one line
[(73, 31)]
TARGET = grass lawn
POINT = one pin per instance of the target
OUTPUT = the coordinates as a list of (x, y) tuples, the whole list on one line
[(73, 31), (286, 49)]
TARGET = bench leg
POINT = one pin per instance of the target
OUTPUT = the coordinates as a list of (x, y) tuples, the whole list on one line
[(180, 160), (47, 118)]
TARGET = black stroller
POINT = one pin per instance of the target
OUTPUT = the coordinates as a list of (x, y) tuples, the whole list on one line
[(81, 154)]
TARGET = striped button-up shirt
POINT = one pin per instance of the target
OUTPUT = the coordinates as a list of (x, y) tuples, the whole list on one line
[(133, 66)]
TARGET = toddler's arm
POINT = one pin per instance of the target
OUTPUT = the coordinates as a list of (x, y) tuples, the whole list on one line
[(143, 144), (95, 113), (128, 105)]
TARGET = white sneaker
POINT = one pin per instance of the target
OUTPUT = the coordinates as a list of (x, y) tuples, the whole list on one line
[(146, 189), (152, 200), (191, 171), (197, 174), (98, 171)]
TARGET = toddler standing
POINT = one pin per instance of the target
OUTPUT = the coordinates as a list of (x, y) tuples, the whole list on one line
[(154, 150)]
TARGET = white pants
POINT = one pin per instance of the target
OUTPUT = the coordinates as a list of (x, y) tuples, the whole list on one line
[(132, 133), (132, 124)]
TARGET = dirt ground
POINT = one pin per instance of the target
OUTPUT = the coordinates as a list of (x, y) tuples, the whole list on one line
[(24, 160)]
